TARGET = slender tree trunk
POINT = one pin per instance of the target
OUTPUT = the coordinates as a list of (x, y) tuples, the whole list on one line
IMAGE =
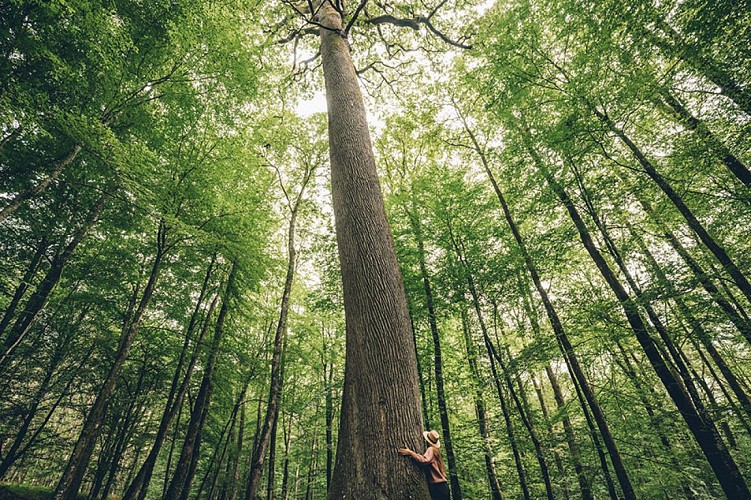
[(235, 473), (15, 451), (697, 330), (456, 492), (23, 285), (703, 430), (140, 484), (285, 468), (71, 479), (272, 459), (509, 427), (492, 355), (309, 493), (741, 323), (675, 46), (24, 196), (381, 405), (693, 223), (521, 411), (132, 416), (495, 487), (736, 167), (672, 358), (551, 433), (170, 454), (275, 386), (185, 468), (595, 439), (328, 375), (568, 432), (564, 343), (41, 295)]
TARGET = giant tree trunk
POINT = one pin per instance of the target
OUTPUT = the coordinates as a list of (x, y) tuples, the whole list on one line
[(381, 401)]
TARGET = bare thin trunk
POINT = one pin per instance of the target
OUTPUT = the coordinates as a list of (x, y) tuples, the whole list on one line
[(24, 196), (703, 430), (71, 479), (185, 468)]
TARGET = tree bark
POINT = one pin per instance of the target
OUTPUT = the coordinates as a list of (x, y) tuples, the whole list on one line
[(381, 405)]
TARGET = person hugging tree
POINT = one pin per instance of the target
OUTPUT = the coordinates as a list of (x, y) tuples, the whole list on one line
[(435, 470)]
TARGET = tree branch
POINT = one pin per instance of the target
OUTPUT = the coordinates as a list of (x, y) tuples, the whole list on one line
[(415, 25), (354, 16)]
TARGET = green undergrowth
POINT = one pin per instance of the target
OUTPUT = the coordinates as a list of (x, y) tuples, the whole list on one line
[(25, 492)]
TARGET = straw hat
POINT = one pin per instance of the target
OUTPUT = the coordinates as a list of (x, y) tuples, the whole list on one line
[(432, 438)]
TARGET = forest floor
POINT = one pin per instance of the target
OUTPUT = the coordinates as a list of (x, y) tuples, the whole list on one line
[(22, 492)]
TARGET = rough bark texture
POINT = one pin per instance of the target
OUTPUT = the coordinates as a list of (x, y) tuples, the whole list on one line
[(381, 401)]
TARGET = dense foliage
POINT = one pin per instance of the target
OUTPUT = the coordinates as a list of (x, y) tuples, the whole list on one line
[(568, 189)]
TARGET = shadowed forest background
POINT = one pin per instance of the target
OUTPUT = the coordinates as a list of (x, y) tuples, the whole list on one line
[(567, 184)]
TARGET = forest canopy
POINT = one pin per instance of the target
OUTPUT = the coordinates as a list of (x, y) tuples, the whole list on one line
[(252, 249)]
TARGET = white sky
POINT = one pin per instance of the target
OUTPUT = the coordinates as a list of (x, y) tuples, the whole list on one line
[(316, 104)]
